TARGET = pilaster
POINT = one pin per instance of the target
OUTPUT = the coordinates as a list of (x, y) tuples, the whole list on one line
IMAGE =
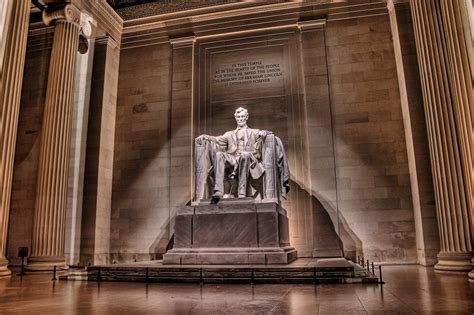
[(421, 182), (317, 117), (182, 115), (96, 216), (82, 94)]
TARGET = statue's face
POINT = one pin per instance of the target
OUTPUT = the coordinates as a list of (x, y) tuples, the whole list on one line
[(241, 118)]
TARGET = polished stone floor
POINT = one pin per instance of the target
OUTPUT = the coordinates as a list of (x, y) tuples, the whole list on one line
[(408, 290)]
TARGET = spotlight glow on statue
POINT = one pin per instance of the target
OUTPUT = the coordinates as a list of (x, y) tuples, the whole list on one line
[(238, 154)]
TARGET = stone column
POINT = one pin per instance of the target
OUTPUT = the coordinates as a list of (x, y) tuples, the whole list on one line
[(459, 55), (14, 35), (51, 190), (447, 94)]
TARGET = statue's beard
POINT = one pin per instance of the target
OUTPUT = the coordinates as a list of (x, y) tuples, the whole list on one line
[(241, 124)]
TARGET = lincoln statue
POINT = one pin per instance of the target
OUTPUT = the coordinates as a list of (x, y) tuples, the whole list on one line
[(236, 157), (235, 216)]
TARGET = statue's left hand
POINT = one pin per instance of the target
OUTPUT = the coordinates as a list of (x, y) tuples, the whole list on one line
[(264, 133), (202, 138)]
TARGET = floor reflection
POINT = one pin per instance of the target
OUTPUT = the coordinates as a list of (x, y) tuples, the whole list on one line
[(408, 290)]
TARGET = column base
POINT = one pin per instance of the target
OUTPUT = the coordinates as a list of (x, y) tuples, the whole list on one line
[(46, 263), (454, 262), (471, 274), (4, 271)]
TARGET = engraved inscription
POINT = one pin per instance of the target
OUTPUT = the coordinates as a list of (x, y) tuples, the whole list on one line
[(248, 72)]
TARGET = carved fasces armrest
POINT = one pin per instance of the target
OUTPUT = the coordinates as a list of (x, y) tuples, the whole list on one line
[(202, 165), (277, 172), (268, 151), (270, 165), (200, 141)]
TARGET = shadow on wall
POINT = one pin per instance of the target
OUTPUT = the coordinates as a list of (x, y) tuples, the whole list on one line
[(162, 242), (332, 236), (140, 186)]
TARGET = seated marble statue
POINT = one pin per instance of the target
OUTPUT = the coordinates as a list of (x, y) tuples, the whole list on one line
[(243, 155)]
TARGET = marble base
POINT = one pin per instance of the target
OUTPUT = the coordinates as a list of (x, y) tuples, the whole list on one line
[(230, 256), (454, 262), (231, 233), (46, 263)]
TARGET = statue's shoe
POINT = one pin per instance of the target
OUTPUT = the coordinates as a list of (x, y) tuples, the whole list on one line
[(216, 197)]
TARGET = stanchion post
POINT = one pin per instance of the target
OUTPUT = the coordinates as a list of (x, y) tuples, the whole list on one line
[(54, 273), (22, 253), (373, 269), (99, 270), (252, 280), (146, 275), (22, 272), (368, 266), (380, 274), (200, 275)]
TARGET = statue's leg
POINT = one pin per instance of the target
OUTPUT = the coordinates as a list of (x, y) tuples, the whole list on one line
[(244, 165), (219, 169)]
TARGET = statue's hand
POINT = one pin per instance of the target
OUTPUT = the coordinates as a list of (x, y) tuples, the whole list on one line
[(202, 138), (264, 133)]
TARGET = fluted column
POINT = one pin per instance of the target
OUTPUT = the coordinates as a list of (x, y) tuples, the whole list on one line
[(447, 94), (461, 82), (14, 37), (51, 191)]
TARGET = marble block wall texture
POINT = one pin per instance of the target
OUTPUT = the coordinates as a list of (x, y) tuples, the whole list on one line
[(141, 190), (374, 194)]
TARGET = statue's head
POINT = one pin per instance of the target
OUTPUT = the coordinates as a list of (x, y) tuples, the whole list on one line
[(241, 116)]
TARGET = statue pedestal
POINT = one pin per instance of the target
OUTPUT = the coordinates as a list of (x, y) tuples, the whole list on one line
[(234, 232)]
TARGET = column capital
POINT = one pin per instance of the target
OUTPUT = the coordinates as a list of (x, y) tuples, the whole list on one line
[(71, 14), (183, 42), (312, 25)]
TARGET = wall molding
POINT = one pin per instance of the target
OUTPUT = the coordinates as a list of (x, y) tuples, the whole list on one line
[(291, 15)]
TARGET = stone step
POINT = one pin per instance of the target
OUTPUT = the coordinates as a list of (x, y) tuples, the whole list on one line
[(75, 274), (333, 272)]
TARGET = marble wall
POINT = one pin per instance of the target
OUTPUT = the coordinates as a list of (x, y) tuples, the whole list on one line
[(337, 109), (141, 174), (374, 195), (336, 106)]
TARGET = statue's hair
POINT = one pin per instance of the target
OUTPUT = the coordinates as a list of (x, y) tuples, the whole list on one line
[(239, 110)]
